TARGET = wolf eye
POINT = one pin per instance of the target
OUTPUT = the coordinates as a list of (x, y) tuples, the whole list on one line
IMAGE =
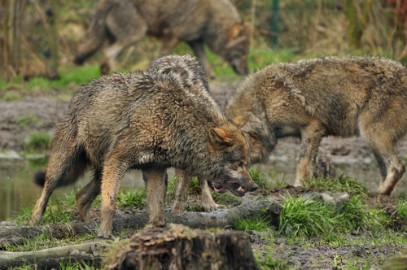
[(240, 164)]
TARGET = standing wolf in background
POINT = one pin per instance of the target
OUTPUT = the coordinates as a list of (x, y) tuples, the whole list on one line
[(148, 121), (215, 23), (327, 96)]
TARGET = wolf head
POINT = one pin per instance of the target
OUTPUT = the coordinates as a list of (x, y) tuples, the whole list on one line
[(236, 50), (229, 154)]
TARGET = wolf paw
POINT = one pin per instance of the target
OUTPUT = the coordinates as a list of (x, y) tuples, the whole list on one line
[(209, 206)]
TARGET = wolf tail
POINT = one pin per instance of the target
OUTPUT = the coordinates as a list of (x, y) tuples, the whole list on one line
[(96, 34), (39, 178), (71, 176)]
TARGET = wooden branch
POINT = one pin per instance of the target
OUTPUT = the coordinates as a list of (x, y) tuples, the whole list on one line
[(250, 208), (90, 253)]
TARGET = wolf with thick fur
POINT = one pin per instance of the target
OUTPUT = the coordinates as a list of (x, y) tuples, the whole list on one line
[(149, 121), (215, 23), (328, 96)]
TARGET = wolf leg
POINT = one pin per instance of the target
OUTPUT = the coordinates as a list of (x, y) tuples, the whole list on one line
[(207, 202), (156, 185), (87, 194), (390, 166), (197, 47), (182, 183), (62, 162), (382, 138), (128, 27), (311, 137), (113, 172), (382, 165)]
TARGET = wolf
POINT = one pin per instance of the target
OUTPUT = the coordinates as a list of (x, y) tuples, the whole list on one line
[(149, 121), (328, 96), (216, 23)]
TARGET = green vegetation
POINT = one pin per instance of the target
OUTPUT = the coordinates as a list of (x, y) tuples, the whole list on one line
[(132, 198), (59, 210), (38, 141), (268, 262), (11, 96), (259, 178), (342, 183), (402, 210), (27, 120), (258, 223), (308, 218), (69, 76)]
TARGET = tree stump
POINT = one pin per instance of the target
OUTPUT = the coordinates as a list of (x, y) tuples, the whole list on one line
[(179, 247)]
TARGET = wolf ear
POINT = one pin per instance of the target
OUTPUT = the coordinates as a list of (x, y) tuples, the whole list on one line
[(240, 120), (220, 136)]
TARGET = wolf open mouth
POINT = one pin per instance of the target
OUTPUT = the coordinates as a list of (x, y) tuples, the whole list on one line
[(235, 188)]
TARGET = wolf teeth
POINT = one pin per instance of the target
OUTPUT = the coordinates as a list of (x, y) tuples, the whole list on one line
[(240, 189)]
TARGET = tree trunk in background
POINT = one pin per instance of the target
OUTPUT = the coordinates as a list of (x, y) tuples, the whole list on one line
[(3, 34), (14, 34), (52, 55), (357, 13), (11, 16)]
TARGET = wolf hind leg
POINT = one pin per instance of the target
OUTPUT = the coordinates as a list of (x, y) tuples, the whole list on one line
[(156, 184), (311, 137), (182, 183), (87, 195), (391, 168), (62, 163), (128, 27)]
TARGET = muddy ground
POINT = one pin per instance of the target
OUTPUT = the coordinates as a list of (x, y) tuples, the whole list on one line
[(50, 108)]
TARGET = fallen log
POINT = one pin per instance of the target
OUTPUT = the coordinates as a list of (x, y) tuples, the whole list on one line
[(178, 247), (91, 253), (250, 208)]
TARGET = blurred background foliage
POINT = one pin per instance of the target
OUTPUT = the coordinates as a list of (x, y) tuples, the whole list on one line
[(38, 38)]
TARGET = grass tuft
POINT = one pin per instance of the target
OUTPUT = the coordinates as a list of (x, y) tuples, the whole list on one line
[(132, 198), (341, 184), (258, 223), (38, 141), (306, 217)]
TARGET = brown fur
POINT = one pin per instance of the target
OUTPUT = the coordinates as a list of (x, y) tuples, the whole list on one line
[(148, 121), (322, 97), (215, 23)]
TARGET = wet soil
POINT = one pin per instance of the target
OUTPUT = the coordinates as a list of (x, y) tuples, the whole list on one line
[(48, 110)]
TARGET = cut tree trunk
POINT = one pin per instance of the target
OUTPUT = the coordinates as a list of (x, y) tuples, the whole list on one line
[(178, 247)]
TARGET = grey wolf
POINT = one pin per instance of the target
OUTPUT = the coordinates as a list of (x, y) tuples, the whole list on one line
[(150, 121), (215, 23), (328, 96)]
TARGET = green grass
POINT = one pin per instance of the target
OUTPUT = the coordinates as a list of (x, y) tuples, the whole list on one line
[(69, 76), (310, 218), (260, 179), (402, 210), (132, 198), (258, 223), (306, 217), (38, 141), (59, 210), (11, 96), (268, 262), (342, 183), (26, 120)]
